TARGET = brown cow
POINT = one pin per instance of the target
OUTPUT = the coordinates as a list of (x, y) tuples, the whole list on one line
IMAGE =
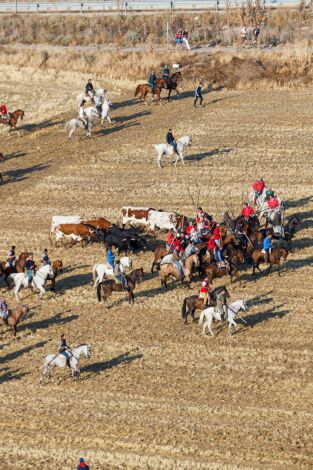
[(100, 223), (77, 232), (135, 215)]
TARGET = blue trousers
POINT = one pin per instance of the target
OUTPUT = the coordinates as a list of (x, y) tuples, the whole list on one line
[(179, 267)]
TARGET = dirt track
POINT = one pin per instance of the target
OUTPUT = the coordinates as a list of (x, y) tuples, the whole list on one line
[(156, 394)]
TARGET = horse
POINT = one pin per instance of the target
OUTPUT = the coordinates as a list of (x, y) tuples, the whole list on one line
[(12, 120), (75, 123), (110, 285), (57, 266), (165, 149), (170, 269), (210, 314), (87, 98), (212, 271), (59, 360), (170, 84), (14, 317), (159, 253), (18, 268), (93, 112), (101, 270), (143, 89), (39, 280), (194, 302), (2, 159), (275, 256)]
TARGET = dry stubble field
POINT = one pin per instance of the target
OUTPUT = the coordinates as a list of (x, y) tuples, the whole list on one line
[(156, 394)]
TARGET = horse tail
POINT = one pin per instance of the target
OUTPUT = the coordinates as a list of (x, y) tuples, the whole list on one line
[(201, 317), (184, 309), (138, 88), (99, 291)]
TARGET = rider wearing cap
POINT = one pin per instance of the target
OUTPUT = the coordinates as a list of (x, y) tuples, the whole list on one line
[(45, 258), (11, 258), (258, 187), (82, 465), (89, 89)]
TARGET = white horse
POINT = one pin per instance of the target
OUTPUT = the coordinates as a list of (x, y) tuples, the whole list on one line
[(59, 360), (82, 96), (92, 112), (75, 123), (101, 270), (39, 280), (211, 313), (165, 149)]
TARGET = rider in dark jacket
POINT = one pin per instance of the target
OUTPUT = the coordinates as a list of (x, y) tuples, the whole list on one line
[(82, 465), (171, 140), (90, 91)]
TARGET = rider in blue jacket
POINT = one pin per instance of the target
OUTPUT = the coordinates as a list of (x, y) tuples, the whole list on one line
[(110, 256), (267, 247)]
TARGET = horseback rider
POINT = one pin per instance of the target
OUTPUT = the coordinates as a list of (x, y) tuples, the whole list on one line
[(119, 275), (171, 140), (247, 211), (221, 302), (240, 234), (170, 239), (89, 89), (211, 247), (30, 267), (189, 250), (267, 247), (110, 256), (82, 114), (269, 193), (45, 258), (204, 291), (11, 258), (4, 111), (273, 202), (176, 261), (166, 73), (82, 465), (218, 246), (258, 187), (4, 309), (152, 81), (65, 350)]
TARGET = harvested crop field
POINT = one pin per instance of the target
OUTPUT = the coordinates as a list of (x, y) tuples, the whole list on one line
[(156, 394)]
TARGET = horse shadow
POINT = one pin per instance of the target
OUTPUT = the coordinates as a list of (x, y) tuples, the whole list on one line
[(42, 125), (7, 375), (21, 174), (132, 116), (200, 156), (69, 269), (15, 354), (57, 319), (306, 218), (111, 130), (293, 203), (257, 318), (126, 103), (300, 243), (293, 264), (17, 154), (216, 100), (122, 359), (76, 280)]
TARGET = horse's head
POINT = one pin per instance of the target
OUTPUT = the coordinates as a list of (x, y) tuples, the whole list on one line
[(57, 265), (244, 306), (88, 351), (186, 140)]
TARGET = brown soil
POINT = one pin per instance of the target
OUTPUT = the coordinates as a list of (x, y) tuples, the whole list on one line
[(155, 393)]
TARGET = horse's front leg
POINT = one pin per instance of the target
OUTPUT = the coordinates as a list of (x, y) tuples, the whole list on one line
[(109, 119), (169, 94), (209, 327), (42, 292), (159, 160)]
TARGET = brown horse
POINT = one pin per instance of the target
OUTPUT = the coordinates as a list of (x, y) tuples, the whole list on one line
[(110, 285), (159, 253), (194, 302), (57, 267), (18, 268), (12, 120), (274, 258), (144, 89), (14, 317), (170, 269), (170, 84), (212, 271)]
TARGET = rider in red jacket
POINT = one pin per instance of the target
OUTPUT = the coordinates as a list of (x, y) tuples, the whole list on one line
[(4, 110), (247, 211), (273, 202)]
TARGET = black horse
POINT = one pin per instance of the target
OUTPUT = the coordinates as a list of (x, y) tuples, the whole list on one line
[(110, 285), (170, 84)]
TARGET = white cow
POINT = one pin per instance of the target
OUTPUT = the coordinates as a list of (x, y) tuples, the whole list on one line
[(63, 219), (163, 220)]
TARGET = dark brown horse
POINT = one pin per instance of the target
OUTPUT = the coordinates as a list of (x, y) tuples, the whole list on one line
[(170, 84), (14, 317), (18, 268), (277, 254), (194, 302), (1, 160), (12, 120), (212, 271), (143, 89), (110, 285), (57, 267)]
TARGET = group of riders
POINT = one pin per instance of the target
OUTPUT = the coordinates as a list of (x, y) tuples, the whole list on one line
[(29, 269)]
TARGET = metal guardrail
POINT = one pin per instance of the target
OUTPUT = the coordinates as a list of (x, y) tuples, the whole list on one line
[(126, 5)]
